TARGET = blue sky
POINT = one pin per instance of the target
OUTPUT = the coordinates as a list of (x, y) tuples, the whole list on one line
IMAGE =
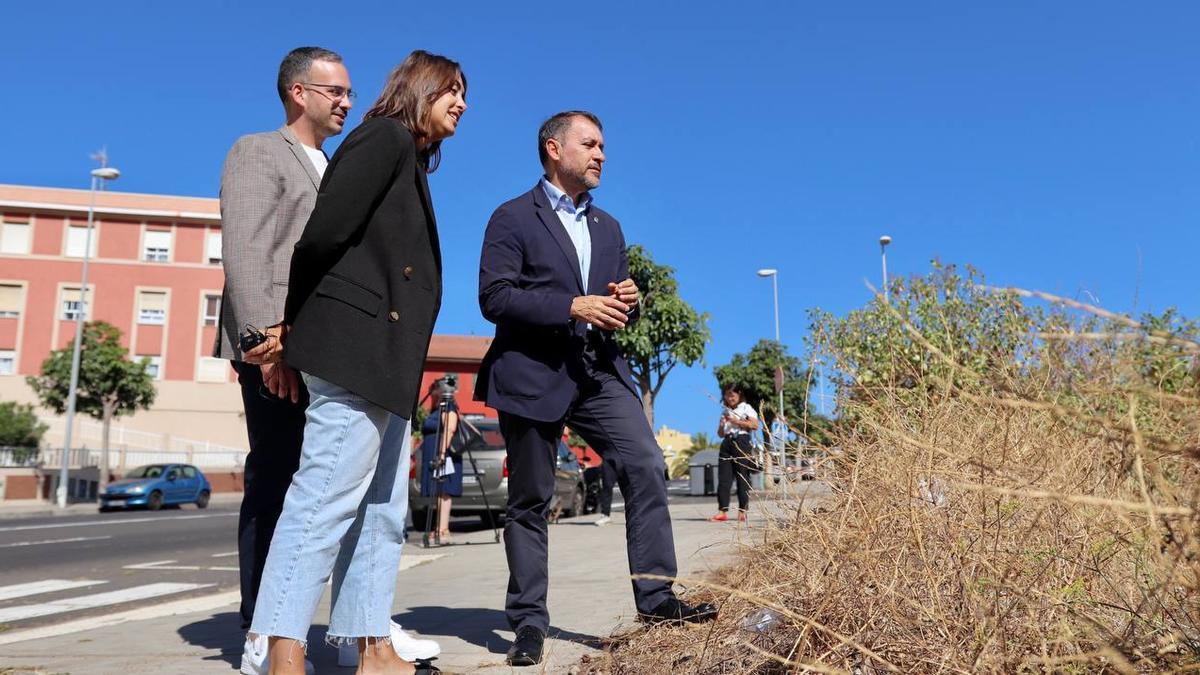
[(1052, 145)]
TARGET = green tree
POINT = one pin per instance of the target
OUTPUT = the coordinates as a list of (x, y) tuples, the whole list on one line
[(702, 441), (755, 373), (19, 426), (110, 385), (972, 326), (668, 332)]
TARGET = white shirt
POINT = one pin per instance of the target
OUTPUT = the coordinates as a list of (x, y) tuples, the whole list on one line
[(574, 219), (743, 411), (318, 159)]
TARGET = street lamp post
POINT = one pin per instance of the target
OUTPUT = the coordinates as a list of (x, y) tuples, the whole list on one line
[(774, 274), (883, 244), (101, 174)]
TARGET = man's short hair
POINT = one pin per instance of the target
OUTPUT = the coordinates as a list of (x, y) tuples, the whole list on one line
[(557, 125), (296, 64)]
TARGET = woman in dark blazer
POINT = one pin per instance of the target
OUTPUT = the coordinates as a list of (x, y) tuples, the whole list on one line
[(363, 294)]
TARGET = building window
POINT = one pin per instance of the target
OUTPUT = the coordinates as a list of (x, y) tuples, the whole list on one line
[(14, 237), (211, 369), (11, 302), (77, 241), (153, 365), (156, 246), (8, 362), (212, 248), (212, 309), (152, 308), (72, 304)]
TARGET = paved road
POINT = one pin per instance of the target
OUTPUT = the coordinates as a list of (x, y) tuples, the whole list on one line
[(80, 571)]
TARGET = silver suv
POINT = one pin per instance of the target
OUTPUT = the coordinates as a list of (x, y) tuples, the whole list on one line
[(491, 472)]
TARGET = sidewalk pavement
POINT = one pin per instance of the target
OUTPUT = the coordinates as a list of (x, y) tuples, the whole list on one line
[(34, 508), (454, 594)]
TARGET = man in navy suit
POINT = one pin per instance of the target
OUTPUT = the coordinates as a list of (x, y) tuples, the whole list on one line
[(554, 278)]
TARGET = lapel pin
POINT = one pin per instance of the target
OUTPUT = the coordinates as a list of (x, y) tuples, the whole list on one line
[(595, 219)]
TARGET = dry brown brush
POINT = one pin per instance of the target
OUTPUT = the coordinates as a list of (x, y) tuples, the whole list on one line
[(1008, 497)]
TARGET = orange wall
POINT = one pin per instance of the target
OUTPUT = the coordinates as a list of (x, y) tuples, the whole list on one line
[(47, 234), (121, 239), (115, 284), (8, 333)]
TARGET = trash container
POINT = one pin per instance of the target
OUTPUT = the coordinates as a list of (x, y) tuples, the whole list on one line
[(702, 473)]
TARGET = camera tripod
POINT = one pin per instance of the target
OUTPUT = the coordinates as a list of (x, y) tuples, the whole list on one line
[(437, 466)]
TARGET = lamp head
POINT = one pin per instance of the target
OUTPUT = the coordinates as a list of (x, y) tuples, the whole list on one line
[(767, 272), (885, 240), (106, 173)]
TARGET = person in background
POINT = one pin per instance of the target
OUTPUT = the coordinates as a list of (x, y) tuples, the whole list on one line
[(450, 468), (738, 421), (608, 478)]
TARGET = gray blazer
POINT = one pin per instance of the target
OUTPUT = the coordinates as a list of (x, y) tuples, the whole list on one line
[(268, 189)]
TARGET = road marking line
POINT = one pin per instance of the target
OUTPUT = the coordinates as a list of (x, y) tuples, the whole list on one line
[(53, 541), (186, 606), (22, 612), (89, 523), (44, 586), (161, 565), (224, 555), (166, 565)]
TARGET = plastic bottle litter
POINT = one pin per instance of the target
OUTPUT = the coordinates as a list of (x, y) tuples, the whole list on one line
[(932, 491), (761, 621)]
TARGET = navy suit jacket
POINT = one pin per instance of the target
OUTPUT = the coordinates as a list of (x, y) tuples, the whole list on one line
[(528, 276)]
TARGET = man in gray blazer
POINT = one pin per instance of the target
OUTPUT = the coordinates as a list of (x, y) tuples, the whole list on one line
[(268, 189)]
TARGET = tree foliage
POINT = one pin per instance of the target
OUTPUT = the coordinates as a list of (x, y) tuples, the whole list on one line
[(974, 327), (668, 332), (110, 385), (754, 371), (702, 441), (19, 426)]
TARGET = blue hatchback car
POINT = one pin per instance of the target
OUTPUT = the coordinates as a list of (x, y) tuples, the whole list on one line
[(155, 485)]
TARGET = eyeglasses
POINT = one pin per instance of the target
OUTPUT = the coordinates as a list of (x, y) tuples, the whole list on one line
[(335, 91)]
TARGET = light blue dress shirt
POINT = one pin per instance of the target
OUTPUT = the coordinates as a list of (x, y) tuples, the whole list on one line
[(574, 219)]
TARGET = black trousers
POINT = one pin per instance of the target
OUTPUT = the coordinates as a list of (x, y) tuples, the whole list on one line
[(608, 478), (276, 432), (734, 467), (609, 417)]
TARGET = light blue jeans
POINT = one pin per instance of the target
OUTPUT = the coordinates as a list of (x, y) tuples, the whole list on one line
[(344, 514)]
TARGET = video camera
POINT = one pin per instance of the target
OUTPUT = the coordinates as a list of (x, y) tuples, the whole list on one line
[(447, 385)]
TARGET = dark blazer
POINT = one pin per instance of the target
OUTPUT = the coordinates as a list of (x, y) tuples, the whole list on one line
[(528, 276), (366, 275)]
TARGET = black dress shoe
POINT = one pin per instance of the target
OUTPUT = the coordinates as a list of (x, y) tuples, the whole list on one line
[(674, 612), (526, 649)]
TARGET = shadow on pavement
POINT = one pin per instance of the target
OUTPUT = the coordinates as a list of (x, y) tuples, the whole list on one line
[(221, 632), (478, 626)]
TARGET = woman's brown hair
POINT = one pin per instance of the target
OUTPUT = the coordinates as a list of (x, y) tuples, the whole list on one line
[(409, 92)]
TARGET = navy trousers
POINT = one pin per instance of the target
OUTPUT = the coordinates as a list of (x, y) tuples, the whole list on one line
[(276, 432), (609, 417)]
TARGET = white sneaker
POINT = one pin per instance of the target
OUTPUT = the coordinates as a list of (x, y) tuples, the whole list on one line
[(254, 658), (407, 647), (602, 521)]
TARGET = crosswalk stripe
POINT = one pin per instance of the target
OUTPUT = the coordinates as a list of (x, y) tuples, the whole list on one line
[(43, 586), (23, 612), (203, 603)]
